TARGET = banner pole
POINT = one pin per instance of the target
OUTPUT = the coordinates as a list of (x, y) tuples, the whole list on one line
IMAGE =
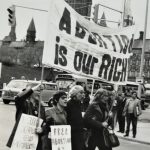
[(39, 108), (92, 87)]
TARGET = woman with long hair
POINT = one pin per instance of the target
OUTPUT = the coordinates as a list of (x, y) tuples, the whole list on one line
[(95, 119)]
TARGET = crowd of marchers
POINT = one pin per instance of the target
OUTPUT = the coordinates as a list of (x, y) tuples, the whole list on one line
[(88, 118)]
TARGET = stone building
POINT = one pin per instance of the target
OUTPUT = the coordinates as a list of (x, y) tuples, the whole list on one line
[(135, 60)]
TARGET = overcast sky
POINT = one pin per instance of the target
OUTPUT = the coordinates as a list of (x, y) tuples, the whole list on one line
[(24, 16)]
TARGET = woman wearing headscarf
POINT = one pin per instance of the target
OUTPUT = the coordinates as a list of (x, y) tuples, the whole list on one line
[(95, 119), (74, 117), (55, 115)]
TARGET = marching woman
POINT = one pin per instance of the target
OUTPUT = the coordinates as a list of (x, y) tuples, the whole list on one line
[(55, 115), (95, 119), (27, 102)]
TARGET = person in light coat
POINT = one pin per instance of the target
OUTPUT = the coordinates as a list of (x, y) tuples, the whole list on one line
[(132, 110)]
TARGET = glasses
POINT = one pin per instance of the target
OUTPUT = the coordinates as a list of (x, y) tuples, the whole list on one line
[(63, 97)]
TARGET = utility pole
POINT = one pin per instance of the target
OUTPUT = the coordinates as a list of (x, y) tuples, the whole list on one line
[(122, 15), (143, 51)]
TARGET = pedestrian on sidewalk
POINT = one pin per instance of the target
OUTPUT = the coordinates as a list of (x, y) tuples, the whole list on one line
[(121, 101), (74, 117), (132, 110)]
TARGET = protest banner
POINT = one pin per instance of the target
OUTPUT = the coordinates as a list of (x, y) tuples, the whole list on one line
[(25, 137), (76, 45), (61, 137)]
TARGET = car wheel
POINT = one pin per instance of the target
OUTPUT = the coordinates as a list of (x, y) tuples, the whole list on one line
[(6, 101)]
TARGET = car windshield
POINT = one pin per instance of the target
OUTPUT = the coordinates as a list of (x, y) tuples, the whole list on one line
[(17, 84), (50, 87)]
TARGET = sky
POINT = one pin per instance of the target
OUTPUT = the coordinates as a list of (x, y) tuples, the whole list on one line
[(24, 16)]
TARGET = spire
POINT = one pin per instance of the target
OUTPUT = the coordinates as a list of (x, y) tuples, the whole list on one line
[(103, 20), (31, 32), (12, 33)]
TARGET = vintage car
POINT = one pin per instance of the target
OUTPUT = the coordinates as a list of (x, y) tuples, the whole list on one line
[(15, 86)]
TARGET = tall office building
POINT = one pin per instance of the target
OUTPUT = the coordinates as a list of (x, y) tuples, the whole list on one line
[(83, 7)]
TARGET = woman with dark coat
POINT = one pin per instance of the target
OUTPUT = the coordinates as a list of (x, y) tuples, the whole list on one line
[(55, 115), (95, 119), (27, 102)]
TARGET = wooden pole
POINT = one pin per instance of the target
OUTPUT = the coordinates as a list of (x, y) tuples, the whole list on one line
[(39, 108), (92, 87)]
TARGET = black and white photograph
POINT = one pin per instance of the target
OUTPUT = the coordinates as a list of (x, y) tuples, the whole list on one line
[(74, 75)]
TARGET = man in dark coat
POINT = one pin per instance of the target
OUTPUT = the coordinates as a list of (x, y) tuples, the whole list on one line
[(74, 117), (120, 107)]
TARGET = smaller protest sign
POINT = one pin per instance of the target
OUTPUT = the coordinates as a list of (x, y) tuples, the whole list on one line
[(25, 137), (61, 137)]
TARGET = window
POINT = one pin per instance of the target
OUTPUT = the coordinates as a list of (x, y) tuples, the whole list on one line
[(50, 87), (17, 84)]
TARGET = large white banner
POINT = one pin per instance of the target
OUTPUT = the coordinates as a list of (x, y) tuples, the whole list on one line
[(61, 137), (79, 46), (25, 137)]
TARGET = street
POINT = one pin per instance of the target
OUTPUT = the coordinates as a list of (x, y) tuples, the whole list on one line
[(127, 145), (7, 117)]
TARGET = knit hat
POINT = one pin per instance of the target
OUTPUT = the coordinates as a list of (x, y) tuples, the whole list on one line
[(74, 90), (58, 94)]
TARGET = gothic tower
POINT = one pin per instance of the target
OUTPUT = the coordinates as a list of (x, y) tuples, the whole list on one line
[(103, 20), (12, 34), (31, 32)]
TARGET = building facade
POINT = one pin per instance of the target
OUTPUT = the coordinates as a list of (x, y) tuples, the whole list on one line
[(83, 7), (135, 59)]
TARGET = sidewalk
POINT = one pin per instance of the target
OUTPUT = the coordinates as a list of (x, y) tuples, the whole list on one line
[(143, 132)]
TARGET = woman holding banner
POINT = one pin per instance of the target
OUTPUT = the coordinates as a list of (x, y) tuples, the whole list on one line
[(55, 115), (27, 102)]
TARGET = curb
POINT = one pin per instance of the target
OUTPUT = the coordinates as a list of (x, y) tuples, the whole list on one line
[(133, 140)]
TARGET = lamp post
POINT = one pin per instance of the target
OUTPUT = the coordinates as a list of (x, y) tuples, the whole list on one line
[(143, 50)]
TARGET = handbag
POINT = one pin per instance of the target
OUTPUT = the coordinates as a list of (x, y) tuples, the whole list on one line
[(110, 138), (114, 141)]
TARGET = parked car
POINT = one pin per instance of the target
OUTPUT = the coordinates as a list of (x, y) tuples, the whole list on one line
[(15, 86), (147, 92)]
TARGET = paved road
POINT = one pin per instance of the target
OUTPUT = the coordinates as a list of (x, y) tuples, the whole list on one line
[(7, 117), (127, 145)]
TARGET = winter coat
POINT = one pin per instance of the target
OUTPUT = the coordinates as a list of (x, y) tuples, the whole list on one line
[(95, 115), (75, 120), (53, 117), (26, 107)]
